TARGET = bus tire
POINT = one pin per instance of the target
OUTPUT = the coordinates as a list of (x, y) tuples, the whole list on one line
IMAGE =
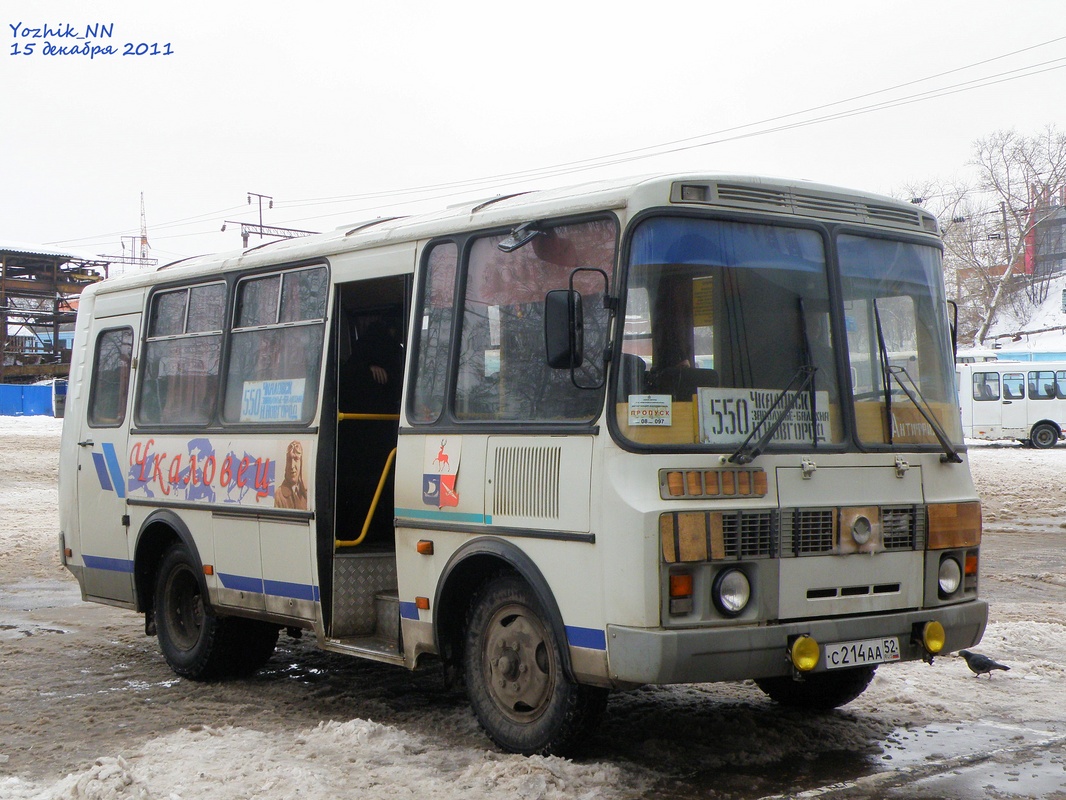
[(821, 691), (1044, 436), (515, 678), (251, 643), (191, 637)]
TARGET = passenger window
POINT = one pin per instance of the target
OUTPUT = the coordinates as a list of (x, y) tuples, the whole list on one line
[(1013, 386), (1042, 385), (276, 348), (179, 384), (986, 386), (111, 378)]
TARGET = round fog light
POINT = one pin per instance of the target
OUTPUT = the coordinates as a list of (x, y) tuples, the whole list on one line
[(933, 637), (950, 577), (861, 529), (804, 653), (731, 592)]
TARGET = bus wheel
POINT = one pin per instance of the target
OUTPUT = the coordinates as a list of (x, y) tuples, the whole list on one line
[(1044, 436), (190, 636), (820, 691), (515, 678), (251, 643)]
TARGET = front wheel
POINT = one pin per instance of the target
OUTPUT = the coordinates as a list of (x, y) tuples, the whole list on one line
[(820, 691), (515, 678), (1044, 436)]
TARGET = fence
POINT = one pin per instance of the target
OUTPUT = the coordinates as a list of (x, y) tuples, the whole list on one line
[(24, 401)]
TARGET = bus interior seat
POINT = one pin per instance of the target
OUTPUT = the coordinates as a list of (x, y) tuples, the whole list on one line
[(682, 382), (692, 378)]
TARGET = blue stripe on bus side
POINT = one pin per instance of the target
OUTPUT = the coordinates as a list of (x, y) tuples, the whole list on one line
[(591, 638), (297, 591), (241, 583), (113, 467), (408, 611), (244, 583), (101, 472), (109, 564)]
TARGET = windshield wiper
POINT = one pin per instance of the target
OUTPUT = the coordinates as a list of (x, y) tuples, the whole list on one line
[(950, 453), (744, 455), (888, 372)]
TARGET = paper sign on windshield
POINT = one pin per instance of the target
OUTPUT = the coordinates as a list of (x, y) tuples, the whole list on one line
[(728, 416)]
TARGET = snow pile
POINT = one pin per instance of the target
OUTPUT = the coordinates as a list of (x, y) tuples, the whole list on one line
[(357, 758)]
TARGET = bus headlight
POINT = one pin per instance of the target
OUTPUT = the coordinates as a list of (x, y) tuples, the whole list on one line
[(731, 591), (950, 577)]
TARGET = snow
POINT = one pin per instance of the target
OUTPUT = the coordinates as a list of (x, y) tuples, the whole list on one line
[(443, 756), (1048, 314)]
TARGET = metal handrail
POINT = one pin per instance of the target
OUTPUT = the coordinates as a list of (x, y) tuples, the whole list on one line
[(342, 417)]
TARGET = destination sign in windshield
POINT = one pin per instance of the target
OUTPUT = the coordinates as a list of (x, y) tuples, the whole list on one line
[(728, 416)]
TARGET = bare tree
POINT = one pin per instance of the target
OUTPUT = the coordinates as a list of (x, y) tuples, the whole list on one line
[(1019, 174)]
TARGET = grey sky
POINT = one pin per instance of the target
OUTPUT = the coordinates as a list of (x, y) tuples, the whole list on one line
[(318, 101)]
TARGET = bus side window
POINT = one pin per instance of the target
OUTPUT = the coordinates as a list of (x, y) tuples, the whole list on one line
[(1060, 385), (1013, 386), (111, 378), (986, 386), (1042, 385)]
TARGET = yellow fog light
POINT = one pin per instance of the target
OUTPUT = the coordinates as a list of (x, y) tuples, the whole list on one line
[(804, 653), (933, 637)]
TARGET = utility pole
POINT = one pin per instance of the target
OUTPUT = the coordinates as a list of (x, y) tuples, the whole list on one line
[(248, 228), (261, 197)]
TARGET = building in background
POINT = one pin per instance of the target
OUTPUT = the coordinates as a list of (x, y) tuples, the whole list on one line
[(39, 287)]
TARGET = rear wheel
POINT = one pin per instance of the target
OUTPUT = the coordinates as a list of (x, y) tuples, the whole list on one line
[(191, 637), (515, 678), (1044, 436), (820, 691), (251, 644)]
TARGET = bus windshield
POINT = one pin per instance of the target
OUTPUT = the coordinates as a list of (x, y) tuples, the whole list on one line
[(903, 376), (727, 334), (729, 339)]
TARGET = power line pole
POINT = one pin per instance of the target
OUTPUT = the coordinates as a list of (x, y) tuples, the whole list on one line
[(261, 197)]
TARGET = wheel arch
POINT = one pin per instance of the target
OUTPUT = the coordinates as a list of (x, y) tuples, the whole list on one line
[(160, 530), (471, 567)]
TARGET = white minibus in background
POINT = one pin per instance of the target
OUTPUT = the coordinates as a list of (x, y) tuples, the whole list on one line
[(632, 432), (1023, 400)]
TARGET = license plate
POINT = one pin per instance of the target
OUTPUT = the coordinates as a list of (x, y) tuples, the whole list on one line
[(861, 653)]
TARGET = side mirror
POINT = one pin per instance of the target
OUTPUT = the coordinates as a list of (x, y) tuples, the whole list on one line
[(564, 329)]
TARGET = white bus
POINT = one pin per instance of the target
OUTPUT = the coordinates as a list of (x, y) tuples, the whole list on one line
[(1023, 400), (633, 432)]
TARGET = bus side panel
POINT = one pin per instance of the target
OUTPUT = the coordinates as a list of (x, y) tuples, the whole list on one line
[(532, 493), (96, 441)]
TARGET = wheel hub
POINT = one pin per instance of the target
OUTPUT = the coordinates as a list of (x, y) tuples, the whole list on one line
[(520, 675)]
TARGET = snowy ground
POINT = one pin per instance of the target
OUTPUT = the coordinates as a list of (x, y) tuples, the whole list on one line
[(88, 708)]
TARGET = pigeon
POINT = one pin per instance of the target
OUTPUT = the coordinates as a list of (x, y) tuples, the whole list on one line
[(981, 665)]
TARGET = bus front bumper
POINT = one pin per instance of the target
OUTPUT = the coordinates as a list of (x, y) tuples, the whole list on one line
[(702, 655)]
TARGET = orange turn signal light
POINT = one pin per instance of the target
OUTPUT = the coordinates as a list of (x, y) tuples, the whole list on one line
[(422, 603), (209, 569), (681, 585), (424, 547)]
